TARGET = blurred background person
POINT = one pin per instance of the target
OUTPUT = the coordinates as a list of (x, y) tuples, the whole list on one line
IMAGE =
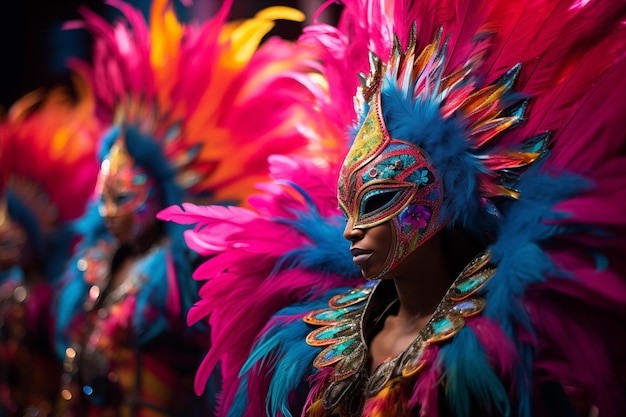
[(193, 111), (48, 173)]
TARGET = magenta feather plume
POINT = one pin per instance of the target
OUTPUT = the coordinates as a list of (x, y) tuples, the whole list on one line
[(318, 383), (243, 287), (426, 389), (499, 349), (578, 342), (364, 26), (575, 317), (567, 52), (596, 112)]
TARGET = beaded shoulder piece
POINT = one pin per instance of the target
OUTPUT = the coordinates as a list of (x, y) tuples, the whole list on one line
[(345, 346)]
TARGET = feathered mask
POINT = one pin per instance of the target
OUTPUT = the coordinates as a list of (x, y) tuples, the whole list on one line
[(426, 153)]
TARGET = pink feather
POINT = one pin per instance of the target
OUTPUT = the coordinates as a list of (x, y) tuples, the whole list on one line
[(499, 349), (426, 389), (318, 382), (189, 213), (584, 348), (247, 244)]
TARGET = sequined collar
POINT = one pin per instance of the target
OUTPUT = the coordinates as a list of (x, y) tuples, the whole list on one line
[(352, 314)]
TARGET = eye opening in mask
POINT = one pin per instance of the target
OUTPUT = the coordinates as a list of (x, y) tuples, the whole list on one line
[(124, 198), (380, 202), (120, 202)]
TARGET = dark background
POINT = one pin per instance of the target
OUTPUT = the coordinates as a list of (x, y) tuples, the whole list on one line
[(34, 49)]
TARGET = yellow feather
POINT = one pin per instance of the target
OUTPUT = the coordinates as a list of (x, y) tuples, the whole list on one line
[(389, 402), (248, 35), (246, 38), (165, 33), (281, 12), (316, 409)]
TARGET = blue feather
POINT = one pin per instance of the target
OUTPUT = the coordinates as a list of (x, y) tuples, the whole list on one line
[(522, 261), (20, 213), (469, 376), (518, 253), (444, 143), (284, 349), (107, 140), (238, 407), (90, 227), (328, 251)]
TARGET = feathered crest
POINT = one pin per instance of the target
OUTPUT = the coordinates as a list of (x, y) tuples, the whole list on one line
[(450, 116), (49, 155), (201, 92), (49, 146)]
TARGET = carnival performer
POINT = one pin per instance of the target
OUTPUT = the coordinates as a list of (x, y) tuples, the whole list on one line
[(48, 173), (484, 198), (195, 111)]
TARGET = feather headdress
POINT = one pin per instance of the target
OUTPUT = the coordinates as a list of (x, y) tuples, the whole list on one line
[(545, 217), (199, 107), (50, 168), (212, 103)]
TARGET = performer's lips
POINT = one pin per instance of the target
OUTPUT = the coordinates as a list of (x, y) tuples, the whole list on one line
[(360, 256)]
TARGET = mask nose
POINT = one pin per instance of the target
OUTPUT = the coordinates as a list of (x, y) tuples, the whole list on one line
[(107, 208)]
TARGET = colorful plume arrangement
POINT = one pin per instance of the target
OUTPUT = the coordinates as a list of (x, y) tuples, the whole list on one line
[(49, 164), (214, 101)]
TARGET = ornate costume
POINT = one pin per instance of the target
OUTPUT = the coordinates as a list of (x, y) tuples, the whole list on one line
[(194, 111), (48, 174), (497, 121)]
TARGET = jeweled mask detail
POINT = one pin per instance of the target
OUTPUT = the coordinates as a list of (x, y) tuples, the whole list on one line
[(120, 176), (386, 179)]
